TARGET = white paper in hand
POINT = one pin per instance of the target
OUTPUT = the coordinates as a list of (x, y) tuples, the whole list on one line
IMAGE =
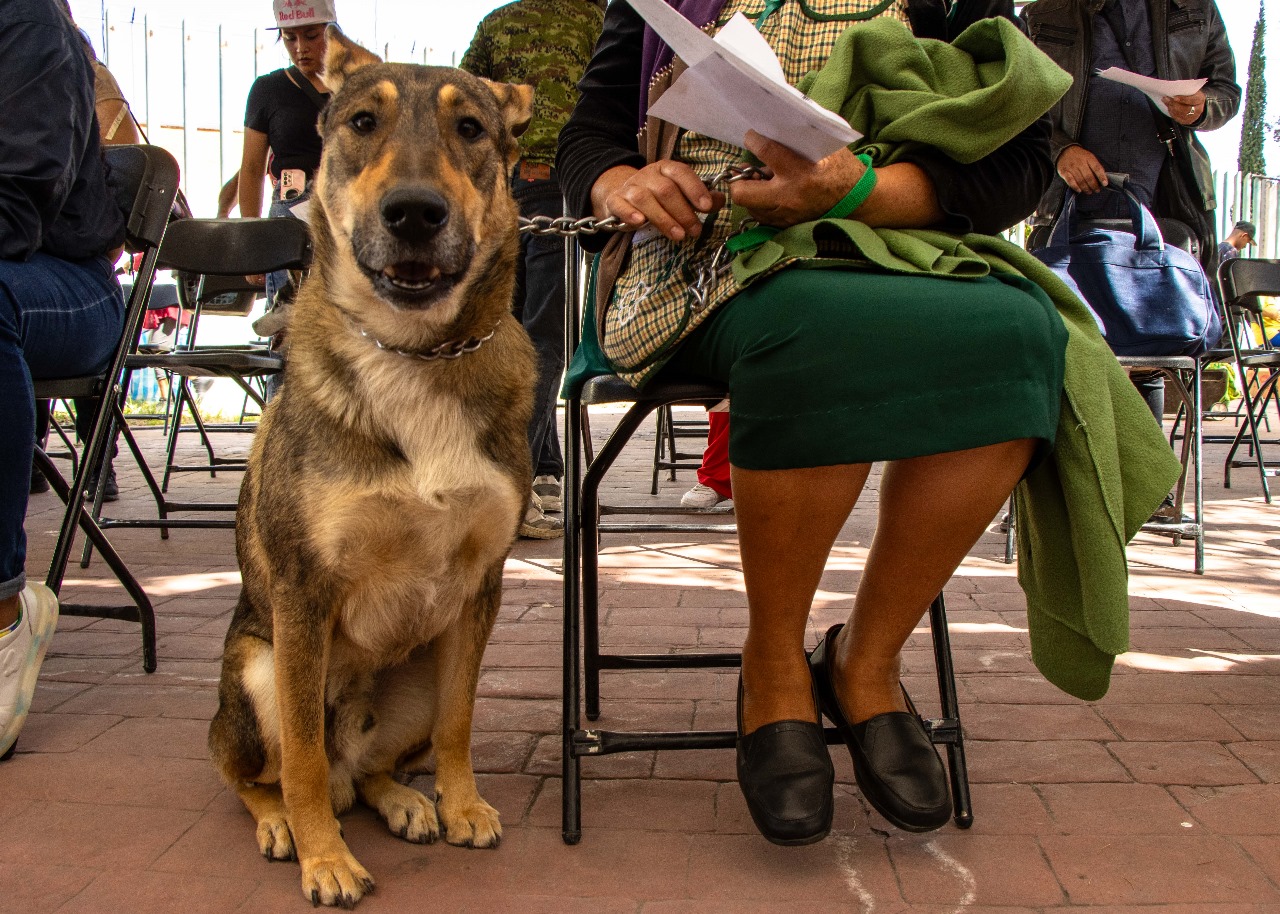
[(734, 84), (1155, 89)]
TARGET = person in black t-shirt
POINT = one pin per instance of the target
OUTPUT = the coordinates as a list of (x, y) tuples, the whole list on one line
[(281, 139), (282, 110)]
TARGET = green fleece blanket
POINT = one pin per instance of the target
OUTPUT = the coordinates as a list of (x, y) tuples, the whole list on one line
[(1110, 466), (966, 99)]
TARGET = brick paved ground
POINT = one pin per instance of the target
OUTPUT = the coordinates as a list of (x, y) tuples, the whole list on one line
[(1164, 796)]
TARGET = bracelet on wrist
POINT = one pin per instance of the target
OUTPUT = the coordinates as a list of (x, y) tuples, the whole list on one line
[(857, 194)]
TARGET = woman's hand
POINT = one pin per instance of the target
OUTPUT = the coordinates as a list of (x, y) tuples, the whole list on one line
[(799, 190), (667, 195)]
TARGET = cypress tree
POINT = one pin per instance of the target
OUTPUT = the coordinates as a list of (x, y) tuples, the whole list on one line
[(1253, 131)]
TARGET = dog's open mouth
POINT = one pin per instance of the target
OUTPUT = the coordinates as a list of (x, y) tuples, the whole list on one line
[(410, 282)]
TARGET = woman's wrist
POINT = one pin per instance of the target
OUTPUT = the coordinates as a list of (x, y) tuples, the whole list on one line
[(857, 194), (605, 185), (904, 197)]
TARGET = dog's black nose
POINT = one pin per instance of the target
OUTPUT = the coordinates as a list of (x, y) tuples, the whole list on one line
[(414, 214)]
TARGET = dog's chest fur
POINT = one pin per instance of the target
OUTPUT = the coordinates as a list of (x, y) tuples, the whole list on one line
[(416, 538)]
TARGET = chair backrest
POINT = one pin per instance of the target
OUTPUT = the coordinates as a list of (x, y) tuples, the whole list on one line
[(144, 180), (1243, 279), (236, 247), (227, 295), (1240, 281)]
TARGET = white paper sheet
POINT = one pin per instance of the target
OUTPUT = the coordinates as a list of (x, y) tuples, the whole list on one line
[(1155, 89), (734, 84)]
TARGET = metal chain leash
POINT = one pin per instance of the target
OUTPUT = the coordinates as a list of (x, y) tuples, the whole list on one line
[(705, 273), (565, 226)]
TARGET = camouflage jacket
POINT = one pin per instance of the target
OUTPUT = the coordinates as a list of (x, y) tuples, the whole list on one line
[(546, 44)]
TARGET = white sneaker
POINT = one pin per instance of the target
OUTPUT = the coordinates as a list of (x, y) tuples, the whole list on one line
[(21, 653), (537, 525), (701, 497), (547, 488)]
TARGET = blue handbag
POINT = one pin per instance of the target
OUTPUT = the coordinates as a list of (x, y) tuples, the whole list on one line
[(1148, 297)]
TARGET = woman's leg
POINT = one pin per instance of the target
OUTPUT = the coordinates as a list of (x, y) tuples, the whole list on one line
[(932, 511), (57, 319), (788, 521)]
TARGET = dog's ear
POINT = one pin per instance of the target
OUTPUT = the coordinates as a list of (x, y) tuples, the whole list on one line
[(342, 57), (516, 102)]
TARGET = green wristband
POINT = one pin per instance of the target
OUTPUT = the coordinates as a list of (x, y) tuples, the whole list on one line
[(751, 238), (857, 194)]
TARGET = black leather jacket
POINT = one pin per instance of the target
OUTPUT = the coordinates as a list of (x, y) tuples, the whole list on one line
[(1190, 41)]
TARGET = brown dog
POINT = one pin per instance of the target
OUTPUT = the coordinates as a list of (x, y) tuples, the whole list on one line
[(387, 479)]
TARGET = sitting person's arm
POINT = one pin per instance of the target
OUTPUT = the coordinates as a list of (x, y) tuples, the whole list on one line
[(924, 190), (601, 133), (116, 124), (604, 174), (39, 208)]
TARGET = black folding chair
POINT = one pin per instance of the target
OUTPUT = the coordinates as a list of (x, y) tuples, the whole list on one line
[(214, 248), (666, 444), (146, 179), (1241, 280), (218, 296), (1183, 374), (584, 657)]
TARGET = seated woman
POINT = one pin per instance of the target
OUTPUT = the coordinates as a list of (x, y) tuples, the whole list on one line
[(832, 369), (61, 309)]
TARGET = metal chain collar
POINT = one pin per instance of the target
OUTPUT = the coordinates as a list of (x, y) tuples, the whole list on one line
[(451, 349)]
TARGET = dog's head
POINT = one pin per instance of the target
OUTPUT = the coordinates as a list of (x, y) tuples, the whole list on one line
[(414, 181)]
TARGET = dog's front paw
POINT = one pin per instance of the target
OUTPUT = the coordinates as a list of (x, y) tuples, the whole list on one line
[(410, 815), (274, 839), (471, 823), (335, 879)]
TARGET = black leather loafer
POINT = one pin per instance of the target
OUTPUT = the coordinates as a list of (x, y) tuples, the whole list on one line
[(786, 777), (896, 766)]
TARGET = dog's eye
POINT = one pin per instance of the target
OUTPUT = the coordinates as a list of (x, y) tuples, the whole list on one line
[(470, 129), (364, 122)]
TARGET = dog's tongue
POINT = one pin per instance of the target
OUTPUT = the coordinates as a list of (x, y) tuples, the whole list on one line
[(412, 271)]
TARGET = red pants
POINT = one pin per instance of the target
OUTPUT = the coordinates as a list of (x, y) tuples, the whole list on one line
[(714, 472)]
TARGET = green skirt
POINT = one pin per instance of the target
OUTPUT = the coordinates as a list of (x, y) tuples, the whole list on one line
[(834, 366)]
